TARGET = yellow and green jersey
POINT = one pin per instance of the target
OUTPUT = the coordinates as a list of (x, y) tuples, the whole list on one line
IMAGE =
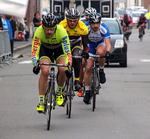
[(59, 39)]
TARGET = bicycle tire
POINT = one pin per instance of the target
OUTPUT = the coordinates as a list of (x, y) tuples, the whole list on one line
[(94, 91), (69, 97), (49, 105)]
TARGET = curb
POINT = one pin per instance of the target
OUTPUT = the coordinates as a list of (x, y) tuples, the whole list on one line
[(22, 47)]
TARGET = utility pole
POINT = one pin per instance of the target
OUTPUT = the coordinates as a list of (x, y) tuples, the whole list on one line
[(51, 6), (89, 4)]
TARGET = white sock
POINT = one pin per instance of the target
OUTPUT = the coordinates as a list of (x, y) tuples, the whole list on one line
[(101, 67), (87, 88)]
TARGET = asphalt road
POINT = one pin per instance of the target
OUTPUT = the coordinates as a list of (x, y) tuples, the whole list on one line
[(122, 108)]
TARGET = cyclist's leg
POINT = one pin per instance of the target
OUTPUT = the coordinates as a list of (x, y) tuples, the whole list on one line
[(87, 80), (81, 76), (76, 51), (140, 28), (88, 71), (124, 27), (61, 77), (44, 58), (144, 26), (127, 26), (101, 49)]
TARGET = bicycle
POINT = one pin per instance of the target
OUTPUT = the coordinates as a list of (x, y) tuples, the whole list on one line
[(95, 80), (141, 33), (50, 96)]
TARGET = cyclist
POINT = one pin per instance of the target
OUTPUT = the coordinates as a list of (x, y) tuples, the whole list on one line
[(50, 39), (87, 13), (142, 24), (77, 32), (125, 22), (99, 43)]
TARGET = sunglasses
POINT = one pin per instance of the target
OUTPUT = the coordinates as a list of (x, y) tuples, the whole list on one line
[(51, 29), (72, 20)]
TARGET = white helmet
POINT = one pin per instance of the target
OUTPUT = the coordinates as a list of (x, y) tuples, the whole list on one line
[(89, 11)]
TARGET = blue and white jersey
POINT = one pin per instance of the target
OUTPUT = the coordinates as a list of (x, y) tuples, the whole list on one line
[(100, 35), (97, 38)]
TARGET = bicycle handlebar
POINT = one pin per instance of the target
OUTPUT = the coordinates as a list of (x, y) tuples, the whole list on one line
[(53, 64), (77, 56), (96, 56)]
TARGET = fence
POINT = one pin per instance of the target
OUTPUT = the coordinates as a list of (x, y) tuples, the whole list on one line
[(4, 47)]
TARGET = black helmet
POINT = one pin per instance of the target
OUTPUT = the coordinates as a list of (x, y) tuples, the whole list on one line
[(73, 13), (49, 20), (95, 18)]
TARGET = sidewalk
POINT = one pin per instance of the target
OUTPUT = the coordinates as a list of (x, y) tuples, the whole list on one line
[(21, 44)]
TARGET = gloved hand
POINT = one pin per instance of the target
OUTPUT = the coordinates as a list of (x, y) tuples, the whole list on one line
[(85, 55), (68, 73), (108, 55), (36, 70)]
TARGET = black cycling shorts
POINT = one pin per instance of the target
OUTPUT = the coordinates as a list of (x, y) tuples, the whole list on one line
[(50, 53), (139, 24)]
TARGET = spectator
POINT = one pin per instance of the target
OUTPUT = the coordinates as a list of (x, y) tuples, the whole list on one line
[(13, 25), (36, 21), (1, 25), (10, 34), (20, 27), (5, 27), (26, 30), (148, 18)]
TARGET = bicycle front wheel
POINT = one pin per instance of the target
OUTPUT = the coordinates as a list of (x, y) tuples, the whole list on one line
[(94, 90), (49, 105), (69, 97)]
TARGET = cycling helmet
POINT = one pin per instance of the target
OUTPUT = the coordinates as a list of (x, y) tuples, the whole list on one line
[(89, 11), (95, 18), (142, 14), (125, 15), (73, 13), (49, 20)]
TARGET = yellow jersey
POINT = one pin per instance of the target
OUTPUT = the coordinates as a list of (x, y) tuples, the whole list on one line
[(76, 33)]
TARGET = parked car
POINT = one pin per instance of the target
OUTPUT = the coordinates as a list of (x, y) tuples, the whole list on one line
[(118, 42), (121, 12), (135, 15), (116, 15)]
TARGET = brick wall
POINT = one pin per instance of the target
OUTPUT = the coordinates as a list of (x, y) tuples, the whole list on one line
[(32, 7), (147, 4)]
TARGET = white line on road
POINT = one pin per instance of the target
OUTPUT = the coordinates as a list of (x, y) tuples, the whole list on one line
[(25, 62), (145, 60)]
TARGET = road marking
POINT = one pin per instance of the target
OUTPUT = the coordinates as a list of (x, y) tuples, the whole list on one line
[(25, 62), (145, 60)]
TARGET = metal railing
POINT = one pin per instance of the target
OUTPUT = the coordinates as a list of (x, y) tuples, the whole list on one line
[(5, 49)]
